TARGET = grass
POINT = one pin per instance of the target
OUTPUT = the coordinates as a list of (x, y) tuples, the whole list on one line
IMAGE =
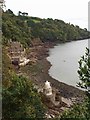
[(36, 21), (33, 69)]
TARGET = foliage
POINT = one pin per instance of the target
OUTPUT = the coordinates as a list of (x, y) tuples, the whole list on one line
[(7, 68), (56, 30), (15, 29), (84, 71), (24, 28), (84, 75), (77, 112), (21, 100)]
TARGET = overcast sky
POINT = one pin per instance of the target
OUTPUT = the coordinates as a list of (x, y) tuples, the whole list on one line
[(73, 11)]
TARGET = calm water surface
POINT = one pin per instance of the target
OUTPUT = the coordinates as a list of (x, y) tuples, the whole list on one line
[(64, 59)]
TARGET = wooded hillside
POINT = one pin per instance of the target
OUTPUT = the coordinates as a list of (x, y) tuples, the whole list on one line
[(24, 28)]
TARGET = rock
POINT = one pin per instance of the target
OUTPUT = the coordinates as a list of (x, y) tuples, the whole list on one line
[(67, 101)]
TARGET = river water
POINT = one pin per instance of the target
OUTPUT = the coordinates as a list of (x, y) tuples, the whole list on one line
[(64, 59)]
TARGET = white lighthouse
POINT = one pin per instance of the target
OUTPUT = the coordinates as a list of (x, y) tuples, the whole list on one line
[(47, 88)]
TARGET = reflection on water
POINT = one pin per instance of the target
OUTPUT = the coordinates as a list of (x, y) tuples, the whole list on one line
[(64, 59)]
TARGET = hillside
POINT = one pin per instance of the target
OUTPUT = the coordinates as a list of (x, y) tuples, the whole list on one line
[(24, 28), (20, 97)]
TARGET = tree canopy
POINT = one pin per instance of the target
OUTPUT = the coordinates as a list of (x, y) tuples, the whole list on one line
[(24, 28), (21, 100), (84, 71)]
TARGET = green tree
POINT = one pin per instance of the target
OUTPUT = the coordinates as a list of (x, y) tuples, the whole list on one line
[(84, 75), (23, 28), (84, 71), (21, 100)]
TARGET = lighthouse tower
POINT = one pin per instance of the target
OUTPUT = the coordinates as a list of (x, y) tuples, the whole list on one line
[(47, 88)]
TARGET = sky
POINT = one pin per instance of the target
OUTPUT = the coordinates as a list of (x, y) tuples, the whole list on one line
[(70, 11)]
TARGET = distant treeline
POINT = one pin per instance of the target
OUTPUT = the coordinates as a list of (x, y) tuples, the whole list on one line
[(24, 28)]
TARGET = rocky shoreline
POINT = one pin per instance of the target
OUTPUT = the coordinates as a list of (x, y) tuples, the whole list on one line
[(42, 59), (38, 73)]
